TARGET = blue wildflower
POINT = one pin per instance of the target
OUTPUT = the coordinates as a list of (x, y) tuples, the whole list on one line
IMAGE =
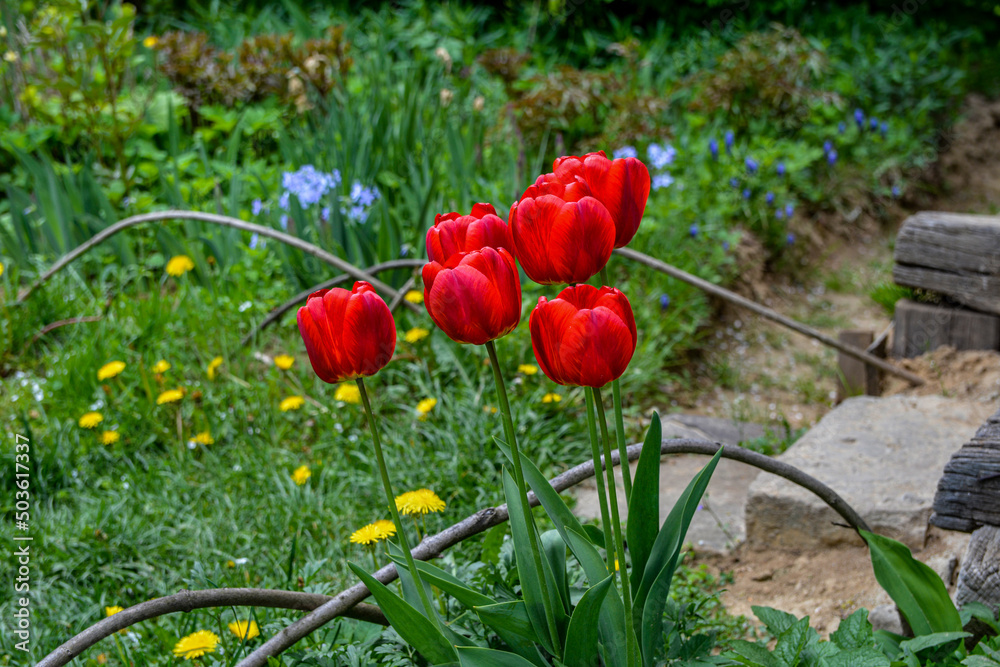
[(725, 246), (664, 302), (662, 181), (730, 137), (896, 191), (790, 239), (779, 214), (254, 240), (751, 165), (308, 184), (257, 206), (831, 157), (769, 198), (661, 156), (283, 201), (693, 231), (625, 151), (362, 195), (827, 146), (842, 127), (713, 148), (859, 117), (873, 124), (283, 221), (789, 209), (404, 251), (781, 169), (325, 213), (884, 129), (746, 193), (735, 182)]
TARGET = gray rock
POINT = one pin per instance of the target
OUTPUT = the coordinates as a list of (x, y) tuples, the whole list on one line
[(719, 525), (886, 617), (884, 456), (979, 577)]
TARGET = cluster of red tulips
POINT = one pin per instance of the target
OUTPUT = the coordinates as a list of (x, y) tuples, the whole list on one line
[(562, 230)]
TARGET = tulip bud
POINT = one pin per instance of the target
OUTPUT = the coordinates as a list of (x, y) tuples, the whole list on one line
[(348, 334), (584, 337), (474, 297)]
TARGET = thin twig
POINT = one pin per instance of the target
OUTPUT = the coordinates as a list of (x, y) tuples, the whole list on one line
[(276, 314), (407, 286), (61, 323), (212, 218), (765, 312)]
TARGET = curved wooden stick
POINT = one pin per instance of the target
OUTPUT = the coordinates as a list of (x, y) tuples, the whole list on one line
[(763, 311), (276, 313), (213, 218)]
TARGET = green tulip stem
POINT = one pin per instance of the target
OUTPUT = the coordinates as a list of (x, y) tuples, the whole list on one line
[(595, 448), (616, 394), (391, 498), (616, 522), (508, 423)]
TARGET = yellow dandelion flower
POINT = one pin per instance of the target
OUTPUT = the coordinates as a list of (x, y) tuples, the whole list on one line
[(292, 403), (10, 56), (161, 366), (111, 611), (179, 265), (151, 41), (368, 535), (110, 437), (551, 398), (425, 406), (527, 369), (102, 658), (1, 268), (196, 645), (230, 563), (212, 365), (348, 392), (387, 527), (204, 438), (110, 369), (170, 396), (284, 361), (245, 630), (91, 419), (415, 335), (414, 296), (420, 501), (491, 409), (301, 475)]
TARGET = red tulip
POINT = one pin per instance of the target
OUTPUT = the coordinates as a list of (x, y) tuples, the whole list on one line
[(560, 241), (622, 185), (453, 233), (474, 297), (548, 184), (585, 336), (348, 334)]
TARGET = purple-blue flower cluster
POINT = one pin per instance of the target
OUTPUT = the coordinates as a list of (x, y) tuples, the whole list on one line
[(360, 201), (624, 152), (308, 185)]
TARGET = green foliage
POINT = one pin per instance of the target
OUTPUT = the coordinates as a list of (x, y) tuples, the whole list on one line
[(887, 293)]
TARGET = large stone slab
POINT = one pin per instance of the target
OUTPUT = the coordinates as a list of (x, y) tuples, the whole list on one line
[(883, 455), (719, 525)]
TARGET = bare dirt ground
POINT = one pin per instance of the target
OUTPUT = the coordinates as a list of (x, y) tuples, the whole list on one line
[(761, 372)]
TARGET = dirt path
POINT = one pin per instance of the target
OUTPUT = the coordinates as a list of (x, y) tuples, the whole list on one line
[(760, 372)]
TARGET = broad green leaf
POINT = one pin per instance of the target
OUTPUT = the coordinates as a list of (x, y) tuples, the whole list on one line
[(981, 612), (924, 642), (510, 616), (915, 588), (644, 503), (791, 642), (530, 578), (888, 643), (748, 653), (980, 661), (854, 631), (651, 597), (448, 583), (415, 629), (611, 624), (865, 656), (581, 639), (487, 657), (777, 621), (554, 550)]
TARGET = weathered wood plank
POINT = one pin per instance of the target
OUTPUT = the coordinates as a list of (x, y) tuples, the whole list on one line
[(953, 254), (979, 577), (922, 327), (979, 291), (853, 378), (950, 241), (968, 493)]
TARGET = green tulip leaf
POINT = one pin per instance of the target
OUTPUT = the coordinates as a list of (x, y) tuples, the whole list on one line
[(581, 639), (644, 503), (415, 629), (915, 588), (487, 657), (611, 623), (554, 550), (447, 582), (510, 616)]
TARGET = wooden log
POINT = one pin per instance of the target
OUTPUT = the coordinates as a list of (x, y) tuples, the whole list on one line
[(968, 493), (953, 254), (853, 377), (979, 577), (922, 327), (874, 376)]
